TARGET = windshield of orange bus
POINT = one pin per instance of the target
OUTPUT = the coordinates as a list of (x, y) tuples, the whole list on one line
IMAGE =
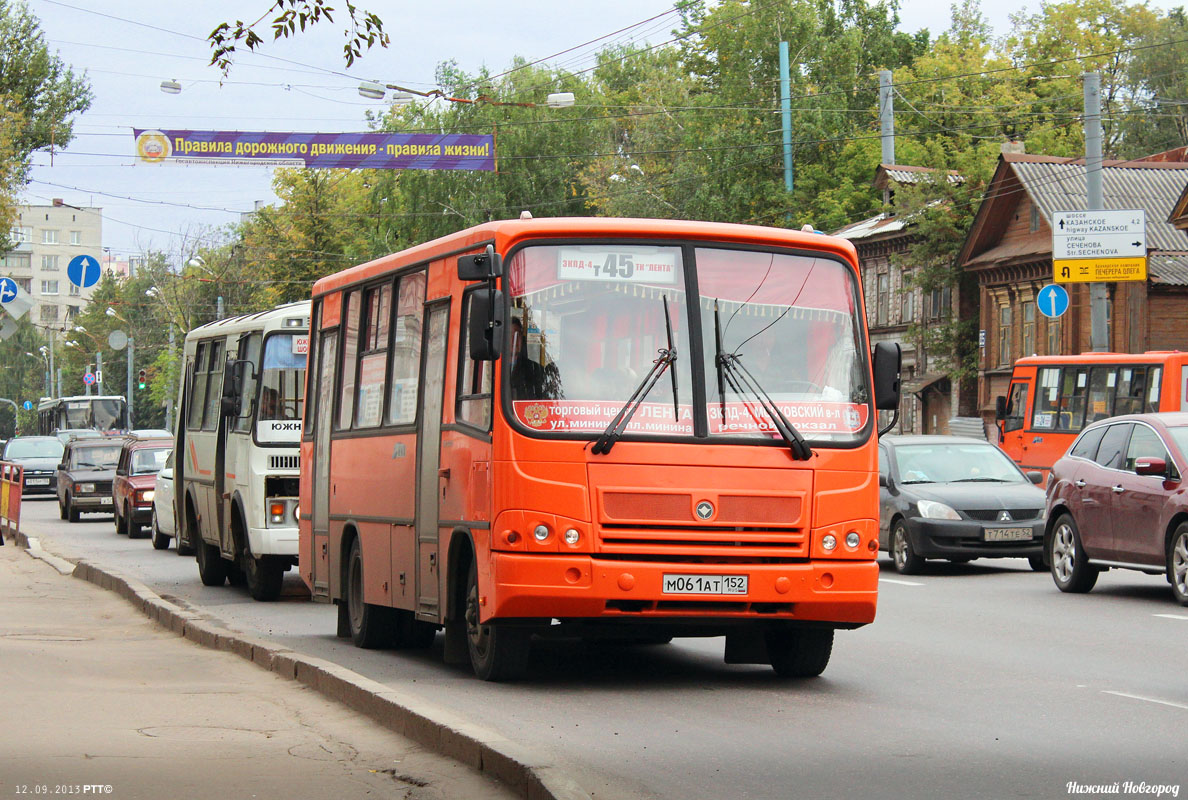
[(589, 321)]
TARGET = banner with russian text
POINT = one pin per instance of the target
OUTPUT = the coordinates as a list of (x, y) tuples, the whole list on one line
[(318, 150)]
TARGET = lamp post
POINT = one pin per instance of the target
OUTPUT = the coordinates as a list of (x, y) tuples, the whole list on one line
[(41, 352), (128, 396)]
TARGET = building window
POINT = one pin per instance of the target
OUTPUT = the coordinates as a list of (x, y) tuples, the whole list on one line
[(20, 234), (18, 260), (1028, 308), (907, 304), (1004, 336), (49, 236), (71, 312), (76, 237), (24, 283), (49, 313), (49, 263), (1053, 336), (49, 287), (939, 302), (74, 290), (1035, 218), (883, 297)]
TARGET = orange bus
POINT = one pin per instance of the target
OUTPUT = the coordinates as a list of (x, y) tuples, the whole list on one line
[(598, 428), (1051, 398)]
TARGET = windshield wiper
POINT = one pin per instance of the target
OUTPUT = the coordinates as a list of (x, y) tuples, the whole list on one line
[(619, 424), (731, 371), (981, 480)]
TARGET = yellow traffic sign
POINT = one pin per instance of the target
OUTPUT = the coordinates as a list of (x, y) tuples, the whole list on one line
[(1095, 270)]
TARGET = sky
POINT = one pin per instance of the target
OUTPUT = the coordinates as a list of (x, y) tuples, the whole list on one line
[(127, 47)]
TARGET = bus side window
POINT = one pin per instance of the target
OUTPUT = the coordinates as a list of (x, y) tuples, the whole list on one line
[(1102, 382), (214, 385), (406, 349), (1154, 375), (249, 350), (373, 356), (350, 350), (1073, 392), (475, 381), (1016, 407), (196, 399), (1047, 399)]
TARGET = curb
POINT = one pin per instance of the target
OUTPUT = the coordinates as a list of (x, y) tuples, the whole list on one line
[(524, 771)]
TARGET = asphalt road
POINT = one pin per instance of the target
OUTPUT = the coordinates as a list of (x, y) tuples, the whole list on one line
[(976, 681)]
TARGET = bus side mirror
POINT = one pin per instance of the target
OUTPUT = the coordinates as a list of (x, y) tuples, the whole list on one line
[(487, 318), (886, 375), (480, 266), (1000, 408)]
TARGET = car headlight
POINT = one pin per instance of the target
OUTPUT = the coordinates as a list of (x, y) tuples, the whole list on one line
[(148, 495), (86, 488), (930, 509)]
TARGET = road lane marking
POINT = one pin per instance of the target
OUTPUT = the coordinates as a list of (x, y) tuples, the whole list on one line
[(1147, 699), (899, 583), (1171, 616)]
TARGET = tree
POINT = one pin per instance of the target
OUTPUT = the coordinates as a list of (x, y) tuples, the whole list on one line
[(39, 97), (365, 29), (22, 376)]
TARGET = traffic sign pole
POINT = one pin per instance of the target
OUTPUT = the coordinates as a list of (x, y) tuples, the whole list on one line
[(1098, 294)]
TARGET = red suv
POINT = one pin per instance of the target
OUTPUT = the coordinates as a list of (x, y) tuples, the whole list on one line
[(1118, 499), (135, 477)]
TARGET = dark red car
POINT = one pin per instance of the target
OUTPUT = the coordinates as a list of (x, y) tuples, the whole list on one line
[(135, 479), (1119, 499)]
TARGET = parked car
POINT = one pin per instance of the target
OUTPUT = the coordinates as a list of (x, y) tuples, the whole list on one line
[(40, 457), (164, 527), (136, 474), (70, 434), (85, 476), (956, 498), (152, 433), (1117, 499)]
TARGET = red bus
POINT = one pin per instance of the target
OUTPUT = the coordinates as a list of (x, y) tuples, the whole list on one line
[(605, 428), (1051, 398)]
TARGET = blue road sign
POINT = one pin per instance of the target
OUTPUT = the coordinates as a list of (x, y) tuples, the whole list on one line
[(1052, 300), (83, 271), (28, 404), (8, 290), (89, 378)]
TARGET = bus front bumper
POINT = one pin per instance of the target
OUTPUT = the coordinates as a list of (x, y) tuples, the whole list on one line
[(586, 587), (273, 541)]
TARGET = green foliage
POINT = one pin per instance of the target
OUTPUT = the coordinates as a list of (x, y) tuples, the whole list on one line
[(22, 376)]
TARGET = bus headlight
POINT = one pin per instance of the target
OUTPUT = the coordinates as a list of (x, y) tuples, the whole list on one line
[(540, 532), (277, 511), (853, 539), (571, 536), (829, 542)]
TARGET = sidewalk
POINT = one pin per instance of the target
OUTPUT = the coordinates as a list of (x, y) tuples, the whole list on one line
[(93, 694)]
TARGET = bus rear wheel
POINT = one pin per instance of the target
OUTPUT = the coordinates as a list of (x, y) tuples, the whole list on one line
[(799, 653), (264, 576), (371, 626), (497, 652), (212, 569)]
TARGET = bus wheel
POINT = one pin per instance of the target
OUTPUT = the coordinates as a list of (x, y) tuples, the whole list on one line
[(799, 653), (371, 625), (497, 652), (212, 569), (264, 577)]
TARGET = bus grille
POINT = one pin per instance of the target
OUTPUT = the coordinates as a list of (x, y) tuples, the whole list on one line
[(284, 462), (711, 542)]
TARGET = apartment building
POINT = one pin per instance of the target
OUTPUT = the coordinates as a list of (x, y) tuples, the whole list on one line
[(45, 238)]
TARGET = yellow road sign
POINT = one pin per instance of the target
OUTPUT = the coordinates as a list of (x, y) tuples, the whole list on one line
[(1094, 270)]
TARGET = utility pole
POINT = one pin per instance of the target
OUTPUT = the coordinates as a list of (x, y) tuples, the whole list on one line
[(169, 395), (131, 352), (1099, 296), (52, 371), (786, 115), (887, 116), (99, 373)]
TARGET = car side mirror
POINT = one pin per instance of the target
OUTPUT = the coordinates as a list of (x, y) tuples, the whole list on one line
[(1145, 465), (1000, 408), (1035, 477)]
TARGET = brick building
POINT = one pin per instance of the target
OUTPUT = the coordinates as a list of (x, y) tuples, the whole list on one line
[(1009, 249)]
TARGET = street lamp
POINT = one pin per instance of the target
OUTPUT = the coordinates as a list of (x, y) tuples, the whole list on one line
[(171, 87)]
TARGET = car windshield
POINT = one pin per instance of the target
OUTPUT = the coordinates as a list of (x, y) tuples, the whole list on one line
[(34, 448), (955, 463), (282, 381), (95, 457), (589, 321), (147, 461)]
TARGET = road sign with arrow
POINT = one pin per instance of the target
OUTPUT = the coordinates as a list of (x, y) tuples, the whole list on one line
[(1103, 245)]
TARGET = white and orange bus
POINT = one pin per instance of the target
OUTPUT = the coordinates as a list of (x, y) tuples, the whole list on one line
[(605, 428), (1051, 398)]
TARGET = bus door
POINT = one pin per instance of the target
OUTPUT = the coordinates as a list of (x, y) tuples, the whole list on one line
[(181, 461), (221, 497), (429, 474), (320, 417), (1015, 420)]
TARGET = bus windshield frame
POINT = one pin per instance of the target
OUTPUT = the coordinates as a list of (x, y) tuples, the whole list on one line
[(275, 412), (755, 304)]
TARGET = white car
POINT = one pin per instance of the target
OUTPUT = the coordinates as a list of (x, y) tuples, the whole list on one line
[(164, 527)]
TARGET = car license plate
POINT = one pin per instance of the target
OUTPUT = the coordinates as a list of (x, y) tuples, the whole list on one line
[(1008, 534), (105, 501), (38, 482), (705, 584)]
